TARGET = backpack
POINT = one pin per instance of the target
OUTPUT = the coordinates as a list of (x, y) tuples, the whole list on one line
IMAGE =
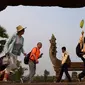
[(26, 58)]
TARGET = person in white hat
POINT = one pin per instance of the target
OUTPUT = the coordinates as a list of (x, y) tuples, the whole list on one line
[(14, 47)]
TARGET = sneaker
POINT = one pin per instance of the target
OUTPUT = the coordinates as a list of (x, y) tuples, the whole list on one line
[(5, 77), (5, 80), (84, 56)]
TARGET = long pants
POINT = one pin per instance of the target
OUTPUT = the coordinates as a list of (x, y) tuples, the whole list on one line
[(83, 59), (32, 71), (64, 68), (82, 74), (12, 63)]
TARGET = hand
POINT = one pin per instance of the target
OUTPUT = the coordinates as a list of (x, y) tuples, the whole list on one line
[(25, 54), (37, 61), (41, 55), (82, 32)]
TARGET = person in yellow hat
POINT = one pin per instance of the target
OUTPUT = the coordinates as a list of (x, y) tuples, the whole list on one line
[(13, 48)]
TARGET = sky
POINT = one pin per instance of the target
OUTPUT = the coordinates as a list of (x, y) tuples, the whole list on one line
[(41, 23)]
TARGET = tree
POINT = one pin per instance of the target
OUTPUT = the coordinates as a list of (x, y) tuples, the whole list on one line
[(46, 73), (3, 35)]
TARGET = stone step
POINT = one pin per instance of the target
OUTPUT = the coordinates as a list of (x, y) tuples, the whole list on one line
[(61, 83)]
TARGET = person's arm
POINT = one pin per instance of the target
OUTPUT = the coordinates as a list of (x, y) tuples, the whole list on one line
[(81, 39), (23, 51), (40, 55), (8, 42)]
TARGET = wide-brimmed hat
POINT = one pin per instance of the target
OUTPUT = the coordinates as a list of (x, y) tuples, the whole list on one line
[(19, 28)]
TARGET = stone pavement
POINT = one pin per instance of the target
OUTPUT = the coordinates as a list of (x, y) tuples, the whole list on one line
[(61, 83)]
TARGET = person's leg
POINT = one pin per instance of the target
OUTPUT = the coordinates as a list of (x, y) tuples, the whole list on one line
[(2, 72), (13, 61), (6, 75), (7, 71), (32, 70), (66, 72), (12, 65), (60, 75), (81, 75), (83, 59)]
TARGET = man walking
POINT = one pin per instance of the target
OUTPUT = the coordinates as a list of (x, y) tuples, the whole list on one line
[(64, 65), (33, 60)]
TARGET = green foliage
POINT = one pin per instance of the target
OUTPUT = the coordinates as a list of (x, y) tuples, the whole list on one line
[(41, 79), (46, 73), (44, 78), (3, 34), (38, 78), (17, 73)]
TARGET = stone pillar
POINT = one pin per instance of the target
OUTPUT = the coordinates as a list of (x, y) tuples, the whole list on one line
[(74, 76), (57, 73)]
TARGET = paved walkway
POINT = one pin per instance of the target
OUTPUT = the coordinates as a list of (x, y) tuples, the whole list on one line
[(61, 83)]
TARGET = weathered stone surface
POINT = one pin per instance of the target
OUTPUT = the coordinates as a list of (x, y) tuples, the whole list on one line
[(61, 83)]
